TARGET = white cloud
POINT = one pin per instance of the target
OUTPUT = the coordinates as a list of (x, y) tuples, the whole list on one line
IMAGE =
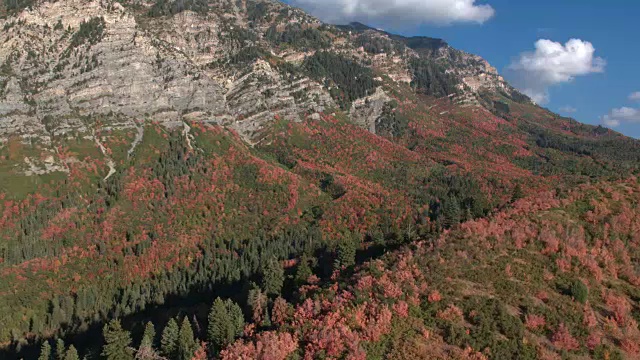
[(620, 116), (551, 64), (398, 12), (635, 96), (568, 109)]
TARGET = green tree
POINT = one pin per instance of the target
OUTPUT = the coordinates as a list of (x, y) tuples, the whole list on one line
[(186, 341), (303, 271), (237, 318), (226, 323), (45, 351), (169, 341), (451, 212), (117, 342), (272, 277), (579, 291), (60, 349), (72, 354), (148, 336), (346, 253), (218, 323), (266, 318)]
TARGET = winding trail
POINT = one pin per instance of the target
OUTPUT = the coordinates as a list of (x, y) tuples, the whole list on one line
[(187, 135), (110, 163), (136, 141)]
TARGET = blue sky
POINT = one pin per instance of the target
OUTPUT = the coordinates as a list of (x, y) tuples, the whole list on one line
[(501, 30)]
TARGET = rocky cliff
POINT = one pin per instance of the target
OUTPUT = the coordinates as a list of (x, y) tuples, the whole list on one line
[(70, 67)]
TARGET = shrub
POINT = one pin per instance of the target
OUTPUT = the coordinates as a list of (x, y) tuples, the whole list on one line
[(579, 291)]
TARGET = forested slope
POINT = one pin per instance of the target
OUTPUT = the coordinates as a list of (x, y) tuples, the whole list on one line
[(154, 153)]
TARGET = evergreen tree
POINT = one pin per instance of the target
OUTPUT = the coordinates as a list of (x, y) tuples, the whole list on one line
[(219, 322), (186, 342), (169, 341), (346, 253), (117, 342), (226, 323), (60, 349), (196, 326), (451, 212), (148, 336), (468, 215), (72, 354), (303, 271), (45, 351), (237, 319), (272, 277), (266, 318)]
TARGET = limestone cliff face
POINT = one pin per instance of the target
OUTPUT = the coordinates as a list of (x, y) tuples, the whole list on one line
[(57, 80), (69, 66)]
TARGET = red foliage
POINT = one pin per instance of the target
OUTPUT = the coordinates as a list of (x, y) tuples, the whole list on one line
[(267, 346), (619, 306), (542, 295), (562, 339), (451, 313), (534, 322), (630, 346), (434, 296), (401, 308), (280, 311), (589, 317), (594, 340), (201, 352)]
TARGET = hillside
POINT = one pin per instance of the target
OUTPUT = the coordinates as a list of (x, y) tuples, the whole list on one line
[(156, 150), (555, 276)]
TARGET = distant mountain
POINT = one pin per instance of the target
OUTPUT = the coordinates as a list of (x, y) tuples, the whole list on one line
[(155, 155)]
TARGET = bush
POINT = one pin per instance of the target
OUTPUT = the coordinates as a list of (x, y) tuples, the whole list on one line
[(579, 291)]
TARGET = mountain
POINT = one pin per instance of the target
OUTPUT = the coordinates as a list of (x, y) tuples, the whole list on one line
[(359, 194)]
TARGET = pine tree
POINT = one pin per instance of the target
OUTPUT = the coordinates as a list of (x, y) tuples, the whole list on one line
[(72, 354), (117, 342), (266, 318), (226, 323), (45, 351), (272, 277), (169, 341), (451, 212), (148, 336), (237, 319), (346, 253), (60, 349), (303, 271), (219, 322), (186, 343)]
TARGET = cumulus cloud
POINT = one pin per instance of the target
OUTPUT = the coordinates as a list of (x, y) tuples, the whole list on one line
[(568, 109), (398, 12), (620, 116), (553, 63), (635, 96)]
